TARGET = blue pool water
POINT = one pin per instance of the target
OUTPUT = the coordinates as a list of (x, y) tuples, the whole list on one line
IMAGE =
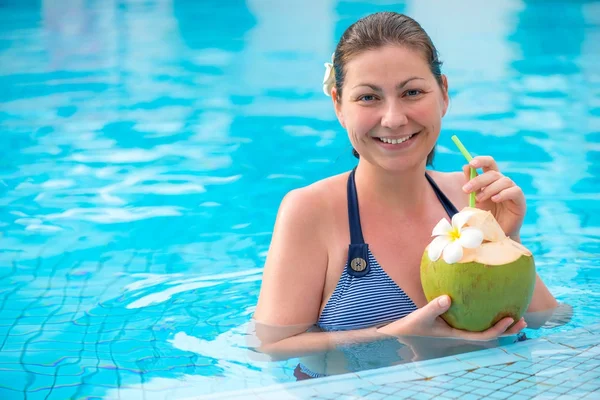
[(145, 147)]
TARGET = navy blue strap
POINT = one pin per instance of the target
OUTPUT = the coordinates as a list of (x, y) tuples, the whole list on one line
[(356, 236), (358, 251), (446, 203)]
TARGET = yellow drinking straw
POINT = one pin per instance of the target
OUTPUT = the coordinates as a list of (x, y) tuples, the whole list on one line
[(467, 155)]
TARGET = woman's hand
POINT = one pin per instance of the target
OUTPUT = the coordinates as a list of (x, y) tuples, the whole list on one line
[(498, 194), (426, 321)]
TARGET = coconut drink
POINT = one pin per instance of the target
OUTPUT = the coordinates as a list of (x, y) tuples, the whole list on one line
[(493, 278), (487, 275)]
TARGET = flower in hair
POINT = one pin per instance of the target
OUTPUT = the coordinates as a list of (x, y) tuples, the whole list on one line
[(329, 79)]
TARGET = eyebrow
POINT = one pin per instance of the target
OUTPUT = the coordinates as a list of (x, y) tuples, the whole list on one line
[(398, 86)]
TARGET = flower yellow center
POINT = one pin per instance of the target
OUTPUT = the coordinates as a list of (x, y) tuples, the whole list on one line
[(454, 234)]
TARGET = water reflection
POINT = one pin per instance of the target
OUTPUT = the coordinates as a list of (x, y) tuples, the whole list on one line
[(333, 353)]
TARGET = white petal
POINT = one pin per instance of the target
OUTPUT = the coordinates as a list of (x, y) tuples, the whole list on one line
[(453, 252), (328, 79), (470, 238), (437, 245), (442, 228), (461, 218)]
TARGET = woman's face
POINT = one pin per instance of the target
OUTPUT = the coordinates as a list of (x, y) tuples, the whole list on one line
[(392, 107)]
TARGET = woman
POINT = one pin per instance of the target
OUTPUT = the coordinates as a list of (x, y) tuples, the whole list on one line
[(390, 96)]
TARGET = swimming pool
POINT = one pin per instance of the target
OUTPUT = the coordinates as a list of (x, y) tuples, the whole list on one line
[(145, 147)]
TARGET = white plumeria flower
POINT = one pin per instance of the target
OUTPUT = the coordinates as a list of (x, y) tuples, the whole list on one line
[(329, 78), (451, 239)]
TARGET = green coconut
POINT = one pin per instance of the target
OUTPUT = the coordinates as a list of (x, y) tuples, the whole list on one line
[(494, 281)]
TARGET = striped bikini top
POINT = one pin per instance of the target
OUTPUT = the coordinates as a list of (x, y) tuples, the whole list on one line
[(365, 295)]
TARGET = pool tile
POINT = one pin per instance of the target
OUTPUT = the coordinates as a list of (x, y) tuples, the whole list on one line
[(534, 369), (560, 389), (590, 375), (444, 367), (461, 381), (488, 379), (443, 378), (391, 378), (538, 348), (458, 373), (453, 394), (519, 397), (423, 396), (463, 388), (499, 374), (523, 384), (387, 390), (518, 366), (363, 391), (407, 394), (553, 371), (569, 364), (505, 382), (341, 387), (572, 383), (532, 391), (376, 396), (589, 387), (487, 357), (513, 388), (433, 390), (401, 385), (299, 391), (482, 392), (493, 386), (429, 383), (500, 395), (470, 396), (276, 396)]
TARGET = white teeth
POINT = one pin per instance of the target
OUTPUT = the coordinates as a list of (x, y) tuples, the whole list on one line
[(395, 141)]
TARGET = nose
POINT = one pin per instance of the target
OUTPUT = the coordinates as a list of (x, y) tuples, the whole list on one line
[(394, 116)]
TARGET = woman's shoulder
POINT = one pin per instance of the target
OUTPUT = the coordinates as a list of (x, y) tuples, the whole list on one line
[(451, 183), (317, 200)]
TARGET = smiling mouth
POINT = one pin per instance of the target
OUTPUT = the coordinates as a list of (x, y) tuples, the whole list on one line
[(396, 140)]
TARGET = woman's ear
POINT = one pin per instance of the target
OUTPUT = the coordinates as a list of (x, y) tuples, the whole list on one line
[(337, 105), (446, 97)]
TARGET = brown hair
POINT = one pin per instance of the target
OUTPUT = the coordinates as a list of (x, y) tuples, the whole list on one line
[(378, 30)]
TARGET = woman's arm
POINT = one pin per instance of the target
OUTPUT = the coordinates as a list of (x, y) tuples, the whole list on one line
[(284, 342), (293, 280), (542, 298), (294, 273)]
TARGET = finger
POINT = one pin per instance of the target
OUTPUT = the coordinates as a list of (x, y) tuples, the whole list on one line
[(467, 171), (518, 327), (437, 306), (494, 188), (498, 329), (481, 181), (487, 163), (514, 194), (495, 331)]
